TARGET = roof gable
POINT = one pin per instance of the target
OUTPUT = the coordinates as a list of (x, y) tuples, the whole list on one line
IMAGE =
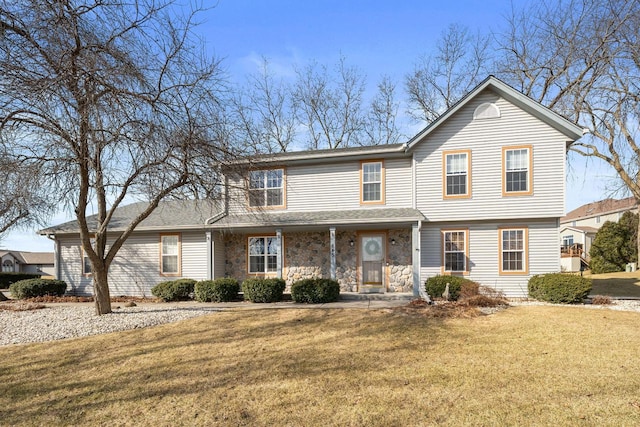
[(564, 126)]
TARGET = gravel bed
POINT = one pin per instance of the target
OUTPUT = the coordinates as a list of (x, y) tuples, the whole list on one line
[(619, 305), (56, 323), (60, 322)]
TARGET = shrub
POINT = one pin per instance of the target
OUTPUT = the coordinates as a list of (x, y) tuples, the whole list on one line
[(174, 290), (7, 278), (615, 245), (219, 290), (436, 285), (32, 288), (315, 291), (263, 290), (559, 288)]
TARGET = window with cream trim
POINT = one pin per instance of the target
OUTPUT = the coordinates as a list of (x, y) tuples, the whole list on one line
[(454, 251), (456, 174), (170, 254), (513, 250), (517, 174), (263, 254), (372, 177)]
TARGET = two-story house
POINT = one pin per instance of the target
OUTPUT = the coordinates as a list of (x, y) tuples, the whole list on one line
[(479, 193)]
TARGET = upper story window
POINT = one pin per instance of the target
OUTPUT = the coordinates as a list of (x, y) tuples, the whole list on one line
[(372, 182), (266, 188), (455, 251), (517, 173), (513, 251), (170, 254), (457, 182), (486, 110), (598, 219)]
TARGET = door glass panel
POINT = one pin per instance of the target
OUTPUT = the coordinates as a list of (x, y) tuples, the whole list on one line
[(372, 260)]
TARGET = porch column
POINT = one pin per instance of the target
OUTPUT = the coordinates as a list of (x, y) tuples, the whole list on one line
[(332, 251), (415, 258), (209, 255), (279, 254)]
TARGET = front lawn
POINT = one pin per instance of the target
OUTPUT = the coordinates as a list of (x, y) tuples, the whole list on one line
[(616, 284), (536, 365)]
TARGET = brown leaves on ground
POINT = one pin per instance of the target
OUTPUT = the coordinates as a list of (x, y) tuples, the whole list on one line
[(70, 298), (15, 305), (469, 307)]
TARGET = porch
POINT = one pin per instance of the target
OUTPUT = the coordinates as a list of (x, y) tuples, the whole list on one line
[(375, 252)]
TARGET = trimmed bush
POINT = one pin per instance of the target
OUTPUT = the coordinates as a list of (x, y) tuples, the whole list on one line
[(559, 288), (436, 285), (32, 288), (315, 291), (174, 290), (224, 289), (263, 290), (8, 278)]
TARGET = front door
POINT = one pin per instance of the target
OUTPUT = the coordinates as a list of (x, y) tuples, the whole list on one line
[(372, 250)]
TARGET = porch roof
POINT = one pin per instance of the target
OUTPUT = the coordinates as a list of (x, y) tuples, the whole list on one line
[(316, 218)]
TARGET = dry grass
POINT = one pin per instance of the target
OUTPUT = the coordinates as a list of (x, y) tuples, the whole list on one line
[(616, 284), (537, 365)]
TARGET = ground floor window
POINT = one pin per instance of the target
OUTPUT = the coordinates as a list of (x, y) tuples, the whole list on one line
[(7, 265), (170, 254), (513, 250), (454, 256), (263, 254)]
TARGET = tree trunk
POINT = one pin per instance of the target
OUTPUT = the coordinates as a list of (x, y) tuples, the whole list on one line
[(101, 290)]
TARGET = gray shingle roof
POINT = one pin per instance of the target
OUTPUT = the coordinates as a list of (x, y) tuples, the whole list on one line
[(30, 257), (168, 215), (310, 218)]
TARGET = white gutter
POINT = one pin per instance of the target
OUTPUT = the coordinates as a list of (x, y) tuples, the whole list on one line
[(56, 255)]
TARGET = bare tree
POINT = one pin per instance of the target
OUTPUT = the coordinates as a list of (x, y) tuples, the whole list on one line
[(330, 107), (265, 112), (112, 98), (440, 80), (582, 59), (380, 121), (23, 202)]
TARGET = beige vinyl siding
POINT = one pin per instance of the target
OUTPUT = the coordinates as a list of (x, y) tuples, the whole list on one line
[(485, 138), (337, 186), (135, 269), (219, 258), (71, 267), (483, 246)]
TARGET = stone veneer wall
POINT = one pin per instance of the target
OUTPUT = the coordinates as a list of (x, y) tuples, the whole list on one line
[(306, 255), (400, 261), (235, 246)]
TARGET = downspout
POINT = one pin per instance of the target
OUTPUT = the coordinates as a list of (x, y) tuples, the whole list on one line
[(56, 255), (209, 234)]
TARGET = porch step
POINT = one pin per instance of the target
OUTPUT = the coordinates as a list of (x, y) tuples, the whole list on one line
[(395, 296)]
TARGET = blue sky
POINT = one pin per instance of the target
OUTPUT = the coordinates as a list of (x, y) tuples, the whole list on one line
[(377, 37)]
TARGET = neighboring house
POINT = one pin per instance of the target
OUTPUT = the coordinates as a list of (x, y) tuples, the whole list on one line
[(478, 193), (579, 227), (28, 262)]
